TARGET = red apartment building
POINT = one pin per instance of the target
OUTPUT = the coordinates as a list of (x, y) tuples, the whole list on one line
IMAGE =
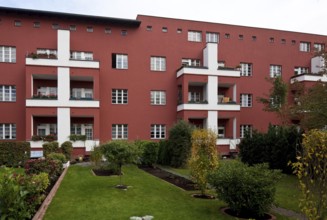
[(110, 78)]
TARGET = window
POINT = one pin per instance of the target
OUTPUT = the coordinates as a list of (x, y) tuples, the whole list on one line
[(246, 100), (119, 96), (194, 97), (7, 93), (89, 29), (158, 63), (158, 131), (88, 130), (119, 131), (82, 129), (82, 93), (164, 29), (221, 132), (191, 62), (119, 61), (241, 37), (305, 46), (47, 91), (77, 55), (271, 40), (254, 38), (7, 131), (158, 98), (107, 30), (275, 102), (319, 47), (179, 30), (301, 70), (7, 54), (275, 70), (72, 27), (293, 42), (55, 26), (36, 24), (227, 36), (149, 28), (195, 36), (212, 37), (18, 23), (48, 52), (283, 41), (246, 69), (76, 129), (46, 129), (244, 129), (123, 33)]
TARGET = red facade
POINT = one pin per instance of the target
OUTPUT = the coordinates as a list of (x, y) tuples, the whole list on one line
[(110, 78)]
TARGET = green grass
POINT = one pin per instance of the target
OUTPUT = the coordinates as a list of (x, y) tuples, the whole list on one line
[(16, 170)]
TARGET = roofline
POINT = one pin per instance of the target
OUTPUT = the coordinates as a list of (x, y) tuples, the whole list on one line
[(118, 21)]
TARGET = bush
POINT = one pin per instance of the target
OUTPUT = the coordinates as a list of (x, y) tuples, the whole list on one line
[(245, 189), (52, 167), (67, 149), (180, 143), (277, 147), (57, 156), (149, 155), (77, 137), (96, 156), (48, 148), (164, 157), (14, 154), (20, 194)]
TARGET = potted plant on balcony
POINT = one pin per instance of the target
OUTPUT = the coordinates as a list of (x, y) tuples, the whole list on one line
[(50, 138), (37, 138)]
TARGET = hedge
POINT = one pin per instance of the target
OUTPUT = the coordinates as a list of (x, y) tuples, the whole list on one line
[(14, 154)]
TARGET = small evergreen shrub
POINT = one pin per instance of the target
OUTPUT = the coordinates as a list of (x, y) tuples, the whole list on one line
[(57, 156), (164, 157), (96, 156), (149, 155), (246, 189), (52, 167), (14, 154), (67, 149), (21, 194), (51, 147)]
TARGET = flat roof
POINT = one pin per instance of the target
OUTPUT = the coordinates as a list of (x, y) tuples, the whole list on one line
[(118, 21)]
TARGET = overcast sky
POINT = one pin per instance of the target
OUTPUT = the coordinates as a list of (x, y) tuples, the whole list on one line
[(307, 16)]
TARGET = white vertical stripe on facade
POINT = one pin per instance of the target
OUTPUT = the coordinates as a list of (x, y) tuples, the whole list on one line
[(63, 124), (63, 85), (212, 121), (63, 45), (212, 90)]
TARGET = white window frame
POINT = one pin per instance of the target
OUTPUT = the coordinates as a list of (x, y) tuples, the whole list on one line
[(246, 69), (7, 54), (191, 62), (121, 61), (158, 63), (319, 47), (194, 97), (194, 36), (48, 129), (301, 70), (7, 131), (48, 52), (78, 55), (244, 128), (158, 97), (246, 100), (275, 71), (212, 37), (221, 132), (119, 131), (82, 129), (158, 131), (82, 93), (119, 96), (305, 46), (7, 93), (47, 91)]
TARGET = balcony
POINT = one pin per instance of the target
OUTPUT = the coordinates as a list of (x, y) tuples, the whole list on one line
[(309, 77)]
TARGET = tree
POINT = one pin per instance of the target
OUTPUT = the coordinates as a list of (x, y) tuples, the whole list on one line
[(311, 170), (204, 157), (179, 143), (120, 153)]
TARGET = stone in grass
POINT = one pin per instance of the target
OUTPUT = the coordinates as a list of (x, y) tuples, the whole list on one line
[(147, 217)]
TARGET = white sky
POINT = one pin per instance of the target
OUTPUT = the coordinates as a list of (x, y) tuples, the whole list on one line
[(307, 16)]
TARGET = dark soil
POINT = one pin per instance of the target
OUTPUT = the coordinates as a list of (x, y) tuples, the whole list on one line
[(104, 172), (179, 181), (266, 216), (201, 196)]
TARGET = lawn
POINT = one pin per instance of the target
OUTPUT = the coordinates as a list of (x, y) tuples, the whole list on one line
[(84, 196)]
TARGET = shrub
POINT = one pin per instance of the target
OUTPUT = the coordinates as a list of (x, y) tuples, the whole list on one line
[(96, 156), (164, 157), (14, 154), (149, 155), (52, 167), (311, 170), (67, 149), (245, 189), (57, 156), (21, 194), (204, 157), (77, 137), (48, 148), (180, 143)]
